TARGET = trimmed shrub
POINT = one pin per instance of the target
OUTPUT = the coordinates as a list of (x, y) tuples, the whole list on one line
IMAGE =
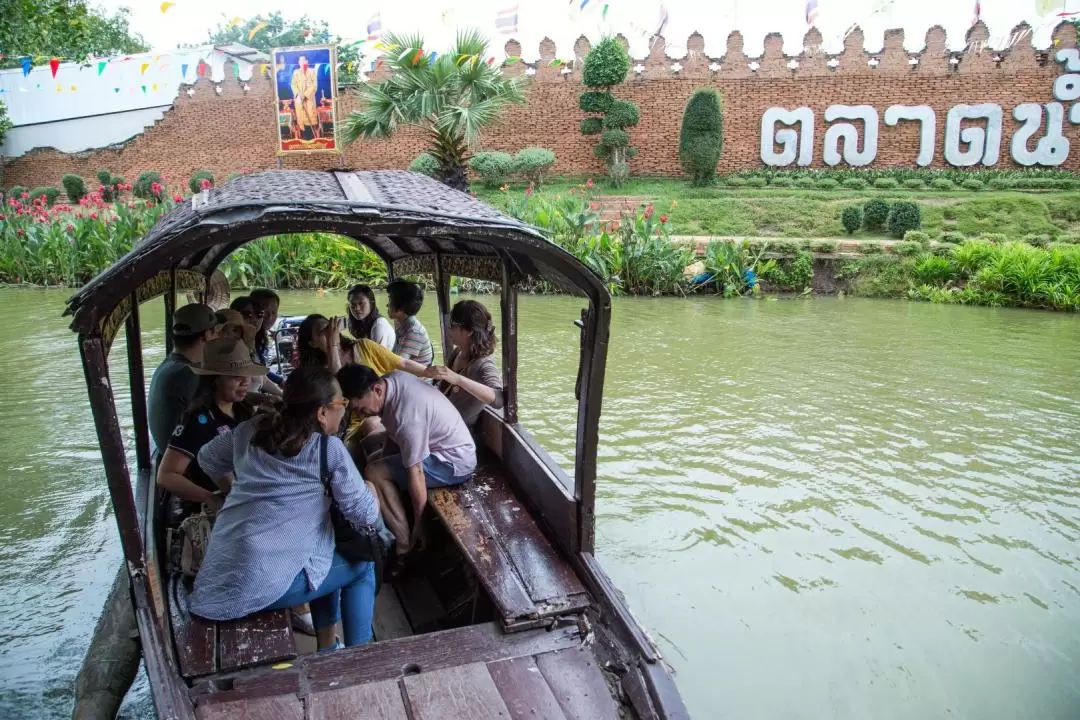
[(973, 185), (1001, 184), (918, 236), (494, 167), (109, 183), (144, 183), (914, 184), (533, 162), (875, 214), (827, 246), (945, 249), (622, 114), (805, 182), (995, 238), (907, 248), (904, 216), (104, 176), (871, 248), (1038, 240), (426, 164), (50, 194), (701, 138), (16, 192), (595, 102), (852, 218), (755, 182), (592, 126), (606, 64), (827, 184), (614, 139), (735, 182), (856, 184), (943, 184), (781, 181), (953, 236), (783, 246), (74, 187), (195, 181), (886, 183)]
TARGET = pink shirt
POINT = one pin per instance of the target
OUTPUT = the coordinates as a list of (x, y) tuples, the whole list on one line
[(423, 422)]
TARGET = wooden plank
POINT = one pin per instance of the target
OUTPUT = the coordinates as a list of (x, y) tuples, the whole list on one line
[(277, 707), (390, 621), (262, 638), (633, 684), (377, 701), (524, 690), (420, 602), (578, 685), (611, 602), (466, 692), (195, 639)]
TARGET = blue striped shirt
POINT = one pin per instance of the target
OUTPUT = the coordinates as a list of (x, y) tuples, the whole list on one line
[(275, 522)]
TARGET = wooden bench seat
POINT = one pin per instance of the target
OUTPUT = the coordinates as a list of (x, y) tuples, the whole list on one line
[(205, 647), (526, 578)]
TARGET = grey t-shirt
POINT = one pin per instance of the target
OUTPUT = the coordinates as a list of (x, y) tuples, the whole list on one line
[(171, 389), (483, 371), (422, 422)]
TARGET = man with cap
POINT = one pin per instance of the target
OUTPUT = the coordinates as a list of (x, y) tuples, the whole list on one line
[(173, 384)]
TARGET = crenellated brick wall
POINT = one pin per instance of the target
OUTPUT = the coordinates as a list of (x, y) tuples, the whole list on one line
[(236, 130)]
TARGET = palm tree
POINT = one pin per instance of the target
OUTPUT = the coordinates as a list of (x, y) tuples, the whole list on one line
[(452, 96)]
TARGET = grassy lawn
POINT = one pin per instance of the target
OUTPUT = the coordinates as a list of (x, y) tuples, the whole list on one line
[(808, 213)]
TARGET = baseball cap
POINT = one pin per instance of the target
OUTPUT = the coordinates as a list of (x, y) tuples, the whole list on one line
[(193, 319)]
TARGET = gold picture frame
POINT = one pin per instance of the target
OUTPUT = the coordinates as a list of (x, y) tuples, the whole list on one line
[(310, 127)]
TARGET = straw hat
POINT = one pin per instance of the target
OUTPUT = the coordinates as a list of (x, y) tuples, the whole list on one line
[(228, 356), (231, 321), (217, 294)]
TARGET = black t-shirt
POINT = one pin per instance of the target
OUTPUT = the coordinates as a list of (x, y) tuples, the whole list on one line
[(199, 427)]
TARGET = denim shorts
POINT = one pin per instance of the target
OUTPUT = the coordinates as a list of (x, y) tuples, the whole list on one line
[(437, 473)]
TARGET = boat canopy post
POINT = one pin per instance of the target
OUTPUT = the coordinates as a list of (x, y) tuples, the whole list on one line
[(170, 308), (137, 381), (508, 308), (590, 390), (442, 293)]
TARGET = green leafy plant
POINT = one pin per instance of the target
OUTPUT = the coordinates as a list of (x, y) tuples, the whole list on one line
[(855, 184), (5, 122), (144, 185), (951, 236), (494, 167), (933, 269), (426, 164), (74, 188), (452, 98), (973, 185), (915, 184), (875, 214), (852, 218), (996, 238), (824, 246), (195, 182), (533, 162), (16, 192), (827, 184), (794, 274), (737, 182), (781, 181), (886, 183), (701, 138), (907, 248), (903, 216), (755, 182), (870, 248), (49, 193), (605, 66), (1038, 240), (918, 236), (943, 184)]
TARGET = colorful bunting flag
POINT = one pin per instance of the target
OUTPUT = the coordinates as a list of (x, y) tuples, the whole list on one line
[(166, 5), (183, 70), (419, 54), (556, 62), (603, 13), (27, 65), (235, 22), (374, 26), (978, 12), (259, 27), (144, 89), (432, 56), (664, 19), (506, 21), (811, 11), (491, 60), (54, 65), (143, 68), (583, 4), (101, 67)]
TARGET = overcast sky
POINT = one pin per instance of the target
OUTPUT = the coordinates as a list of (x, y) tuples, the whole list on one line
[(189, 20)]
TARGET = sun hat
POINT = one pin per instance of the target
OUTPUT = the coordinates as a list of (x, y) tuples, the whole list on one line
[(230, 321), (217, 294), (193, 319), (228, 356)]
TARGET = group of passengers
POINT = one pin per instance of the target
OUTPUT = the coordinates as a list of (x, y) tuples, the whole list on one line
[(243, 445)]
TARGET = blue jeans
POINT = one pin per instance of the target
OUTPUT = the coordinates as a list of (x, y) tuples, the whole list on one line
[(347, 594), (437, 473)]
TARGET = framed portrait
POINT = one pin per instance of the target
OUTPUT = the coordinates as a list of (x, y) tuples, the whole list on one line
[(305, 93)]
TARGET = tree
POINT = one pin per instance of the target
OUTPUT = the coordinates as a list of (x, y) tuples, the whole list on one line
[(452, 97), (280, 32), (606, 65), (702, 136), (66, 29)]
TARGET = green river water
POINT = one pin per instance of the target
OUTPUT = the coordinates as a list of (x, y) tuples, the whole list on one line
[(828, 508)]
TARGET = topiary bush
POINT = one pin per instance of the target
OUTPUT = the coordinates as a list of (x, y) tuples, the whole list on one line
[(943, 184), (870, 248), (622, 114), (16, 192), (852, 218), (886, 183), (701, 139), (807, 183), (605, 66), (953, 236), (50, 194), (592, 126), (827, 246), (493, 166), (735, 182), (195, 181), (856, 184), (781, 181), (533, 162), (903, 216), (918, 236), (875, 214), (425, 164), (1001, 184), (74, 188), (914, 184), (827, 184), (755, 182), (995, 238), (143, 187), (1038, 240), (108, 183), (595, 101), (907, 248), (973, 185)]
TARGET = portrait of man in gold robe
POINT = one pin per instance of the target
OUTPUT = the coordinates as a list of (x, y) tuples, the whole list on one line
[(305, 88), (304, 85)]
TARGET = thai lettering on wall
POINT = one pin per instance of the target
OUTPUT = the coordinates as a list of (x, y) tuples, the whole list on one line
[(963, 146)]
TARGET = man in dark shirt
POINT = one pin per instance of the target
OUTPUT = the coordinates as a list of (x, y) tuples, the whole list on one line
[(173, 384)]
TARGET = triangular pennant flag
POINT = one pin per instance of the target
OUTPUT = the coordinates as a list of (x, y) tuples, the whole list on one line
[(27, 65), (419, 54), (72, 88), (201, 69), (101, 66), (59, 87), (144, 89), (166, 5), (116, 90), (256, 30), (143, 68), (183, 70), (603, 13), (432, 56), (54, 65), (154, 87)]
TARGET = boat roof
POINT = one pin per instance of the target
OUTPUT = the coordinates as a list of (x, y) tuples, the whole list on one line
[(407, 218)]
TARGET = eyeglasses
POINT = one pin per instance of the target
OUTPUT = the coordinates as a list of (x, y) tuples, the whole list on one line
[(339, 402)]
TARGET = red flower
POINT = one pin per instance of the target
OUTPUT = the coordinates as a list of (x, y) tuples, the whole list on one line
[(663, 218), (2, 217), (589, 183), (19, 232), (179, 198), (156, 188), (149, 203), (70, 228), (93, 216), (528, 191), (648, 212), (128, 187), (594, 206), (25, 195), (101, 188), (205, 184)]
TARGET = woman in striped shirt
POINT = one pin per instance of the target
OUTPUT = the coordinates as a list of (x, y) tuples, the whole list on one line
[(272, 546)]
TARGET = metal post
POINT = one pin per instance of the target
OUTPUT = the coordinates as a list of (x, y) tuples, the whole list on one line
[(508, 303), (133, 333)]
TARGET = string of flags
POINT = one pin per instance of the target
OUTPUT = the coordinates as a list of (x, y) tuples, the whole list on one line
[(506, 21)]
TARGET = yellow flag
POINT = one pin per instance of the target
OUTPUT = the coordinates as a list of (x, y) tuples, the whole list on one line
[(166, 5), (235, 22), (259, 27), (143, 67), (1045, 7)]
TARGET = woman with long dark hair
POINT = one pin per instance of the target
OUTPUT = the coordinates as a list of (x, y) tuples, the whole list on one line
[(470, 378), (272, 546), (364, 318)]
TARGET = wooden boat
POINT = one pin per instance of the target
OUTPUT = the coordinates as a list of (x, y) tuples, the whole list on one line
[(512, 616)]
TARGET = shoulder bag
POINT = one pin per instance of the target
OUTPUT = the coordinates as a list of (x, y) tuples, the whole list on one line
[(355, 544)]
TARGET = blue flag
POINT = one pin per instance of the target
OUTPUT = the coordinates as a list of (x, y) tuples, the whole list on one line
[(27, 64)]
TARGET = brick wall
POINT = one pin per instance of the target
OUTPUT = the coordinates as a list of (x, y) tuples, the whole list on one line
[(236, 130)]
